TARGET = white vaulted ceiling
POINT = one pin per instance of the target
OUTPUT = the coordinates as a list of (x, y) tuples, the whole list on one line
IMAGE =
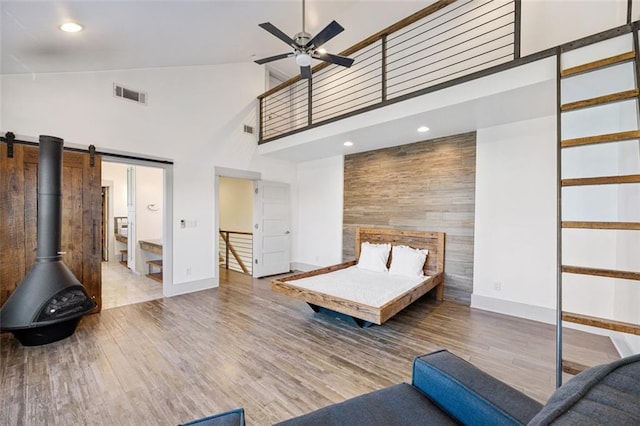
[(147, 33)]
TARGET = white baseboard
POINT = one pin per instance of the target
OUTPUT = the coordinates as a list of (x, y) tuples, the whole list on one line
[(191, 286), (515, 309), (547, 316), (304, 267)]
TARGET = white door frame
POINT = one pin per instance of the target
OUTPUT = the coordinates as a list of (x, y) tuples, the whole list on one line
[(228, 173)]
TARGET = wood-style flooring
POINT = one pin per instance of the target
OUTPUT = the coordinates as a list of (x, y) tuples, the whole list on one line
[(176, 359)]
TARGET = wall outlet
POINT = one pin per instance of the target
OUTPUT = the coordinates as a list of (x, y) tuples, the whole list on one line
[(188, 271), (497, 286)]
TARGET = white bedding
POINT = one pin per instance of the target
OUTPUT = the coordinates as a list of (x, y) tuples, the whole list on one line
[(362, 286)]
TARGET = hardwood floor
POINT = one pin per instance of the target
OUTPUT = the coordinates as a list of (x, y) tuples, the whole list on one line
[(176, 359)]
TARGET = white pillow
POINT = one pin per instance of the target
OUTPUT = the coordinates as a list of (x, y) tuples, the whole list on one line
[(407, 261), (374, 257)]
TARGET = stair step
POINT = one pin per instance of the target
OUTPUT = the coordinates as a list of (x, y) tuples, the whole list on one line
[(633, 226), (609, 137), (600, 100), (613, 60), (607, 324), (601, 180), (573, 368), (610, 273)]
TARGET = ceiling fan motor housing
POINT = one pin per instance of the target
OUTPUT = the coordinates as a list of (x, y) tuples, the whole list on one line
[(301, 39)]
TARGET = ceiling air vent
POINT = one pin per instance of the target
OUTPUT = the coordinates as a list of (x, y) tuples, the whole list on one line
[(248, 129), (132, 95)]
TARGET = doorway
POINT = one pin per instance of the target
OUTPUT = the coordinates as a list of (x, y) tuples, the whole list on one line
[(134, 224)]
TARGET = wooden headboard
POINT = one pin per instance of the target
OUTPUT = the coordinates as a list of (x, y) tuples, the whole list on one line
[(432, 241)]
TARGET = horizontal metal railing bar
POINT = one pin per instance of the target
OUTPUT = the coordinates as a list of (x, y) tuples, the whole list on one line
[(401, 33), (355, 77), (455, 63), (285, 116), (458, 54), (347, 94), (285, 91), (346, 109), (431, 9), (523, 60), (361, 103), (403, 92), (390, 46), (286, 107), (283, 97), (286, 112), (624, 29), (508, 24), (330, 71), (317, 100), (456, 45)]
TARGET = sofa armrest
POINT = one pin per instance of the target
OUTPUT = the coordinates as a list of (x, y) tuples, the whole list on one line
[(468, 394)]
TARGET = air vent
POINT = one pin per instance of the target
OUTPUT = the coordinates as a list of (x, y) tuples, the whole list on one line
[(248, 129), (132, 95)]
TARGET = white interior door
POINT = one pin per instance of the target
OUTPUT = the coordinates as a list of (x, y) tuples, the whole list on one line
[(271, 233)]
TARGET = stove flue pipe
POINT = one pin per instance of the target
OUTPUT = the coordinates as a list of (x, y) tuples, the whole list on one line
[(49, 234)]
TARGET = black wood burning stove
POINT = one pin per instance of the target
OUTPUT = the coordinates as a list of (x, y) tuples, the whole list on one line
[(50, 301)]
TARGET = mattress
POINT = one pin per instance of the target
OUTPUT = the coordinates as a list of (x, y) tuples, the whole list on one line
[(360, 285)]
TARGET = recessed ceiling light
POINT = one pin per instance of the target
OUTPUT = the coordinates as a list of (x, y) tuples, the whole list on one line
[(423, 129), (322, 51), (71, 27), (348, 143)]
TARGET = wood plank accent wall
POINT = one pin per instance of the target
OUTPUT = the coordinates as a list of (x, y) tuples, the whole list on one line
[(426, 186), (81, 218)]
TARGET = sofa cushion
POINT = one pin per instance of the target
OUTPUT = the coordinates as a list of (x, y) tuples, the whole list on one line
[(605, 394), (396, 405), (468, 394), (228, 418)]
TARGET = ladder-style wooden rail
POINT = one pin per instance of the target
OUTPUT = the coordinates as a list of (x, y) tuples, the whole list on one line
[(606, 138), (592, 66), (601, 180), (599, 272), (600, 100), (607, 324), (627, 226)]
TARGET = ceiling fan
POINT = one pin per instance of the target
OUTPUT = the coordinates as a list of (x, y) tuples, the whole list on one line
[(305, 47)]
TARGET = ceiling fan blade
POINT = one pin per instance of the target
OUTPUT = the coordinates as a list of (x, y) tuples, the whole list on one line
[(276, 32), (273, 58), (305, 72), (329, 32), (334, 59)]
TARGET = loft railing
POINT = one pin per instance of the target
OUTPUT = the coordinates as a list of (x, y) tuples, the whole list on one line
[(444, 41), (236, 251)]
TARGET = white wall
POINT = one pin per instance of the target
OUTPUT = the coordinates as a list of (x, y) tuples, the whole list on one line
[(194, 117), (236, 204), (549, 23), (320, 185), (515, 217)]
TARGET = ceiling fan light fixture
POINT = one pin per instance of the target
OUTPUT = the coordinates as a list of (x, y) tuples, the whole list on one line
[(303, 60)]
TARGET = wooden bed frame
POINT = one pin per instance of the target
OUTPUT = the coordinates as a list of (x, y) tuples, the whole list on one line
[(365, 315)]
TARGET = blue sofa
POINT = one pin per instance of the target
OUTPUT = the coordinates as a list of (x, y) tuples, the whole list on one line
[(447, 390)]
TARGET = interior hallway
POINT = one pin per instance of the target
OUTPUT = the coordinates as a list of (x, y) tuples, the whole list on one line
[(121, 287)]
